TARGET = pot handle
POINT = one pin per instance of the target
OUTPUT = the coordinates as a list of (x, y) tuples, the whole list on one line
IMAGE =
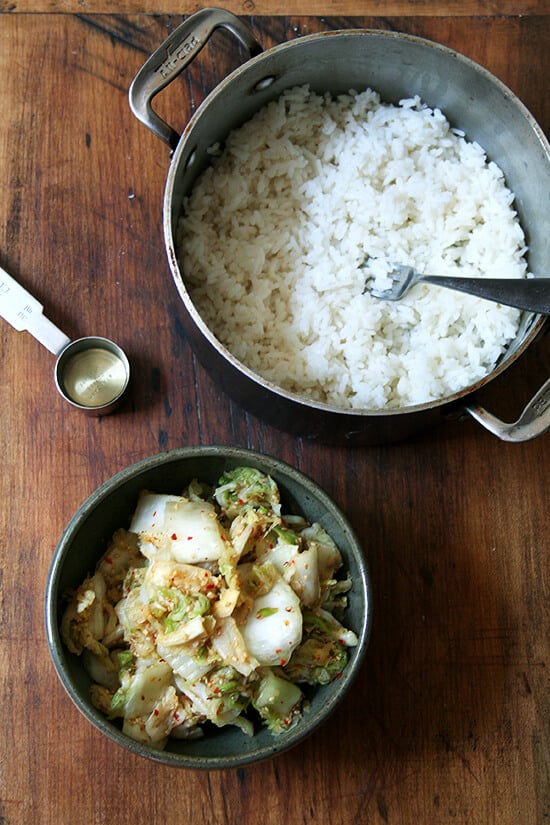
[(177, 51), (533, 421)]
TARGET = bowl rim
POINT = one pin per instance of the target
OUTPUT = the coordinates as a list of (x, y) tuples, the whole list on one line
[(59, 653)]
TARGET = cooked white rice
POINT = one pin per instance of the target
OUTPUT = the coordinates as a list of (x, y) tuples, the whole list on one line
[(312, 197)]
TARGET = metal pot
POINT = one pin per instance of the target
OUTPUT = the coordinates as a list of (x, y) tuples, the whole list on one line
[(397, 66)]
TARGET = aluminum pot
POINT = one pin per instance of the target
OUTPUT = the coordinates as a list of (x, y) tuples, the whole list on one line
[(397, 66)]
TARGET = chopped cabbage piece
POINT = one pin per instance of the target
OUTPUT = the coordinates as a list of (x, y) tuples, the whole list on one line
[(274, 625), (300, 569), (246, 487), (322, 655), (177, 528), (230, 646), (278, 702)]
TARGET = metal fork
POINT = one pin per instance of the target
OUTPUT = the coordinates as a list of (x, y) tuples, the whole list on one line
[(532, 294)]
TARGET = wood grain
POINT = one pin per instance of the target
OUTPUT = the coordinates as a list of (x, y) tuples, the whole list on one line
[(356, 8), (448, 722)]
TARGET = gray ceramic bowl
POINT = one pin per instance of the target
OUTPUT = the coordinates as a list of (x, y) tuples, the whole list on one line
[(111, 506)]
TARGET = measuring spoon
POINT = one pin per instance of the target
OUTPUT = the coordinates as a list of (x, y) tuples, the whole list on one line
[(91, 373)]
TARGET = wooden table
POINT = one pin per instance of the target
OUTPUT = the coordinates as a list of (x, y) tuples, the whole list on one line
[(449, 719)]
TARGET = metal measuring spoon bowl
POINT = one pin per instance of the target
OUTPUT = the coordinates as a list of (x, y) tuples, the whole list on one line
[(92, 374)]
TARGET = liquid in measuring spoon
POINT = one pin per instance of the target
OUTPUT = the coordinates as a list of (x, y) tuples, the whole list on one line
[(94, 377)]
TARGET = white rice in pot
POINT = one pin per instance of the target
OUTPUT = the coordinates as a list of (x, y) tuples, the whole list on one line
[(314, 196)]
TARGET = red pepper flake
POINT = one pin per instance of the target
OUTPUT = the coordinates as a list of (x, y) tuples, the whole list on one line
[(189, 538), (108, 560), (216, 690), (241, 501), (282, 662), (156, 712), (278, 650), (174, 537)]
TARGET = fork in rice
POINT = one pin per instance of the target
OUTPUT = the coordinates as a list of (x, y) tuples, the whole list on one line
[(532, 294)]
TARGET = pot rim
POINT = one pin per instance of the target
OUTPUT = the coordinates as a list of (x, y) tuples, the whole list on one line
[(531, 323)]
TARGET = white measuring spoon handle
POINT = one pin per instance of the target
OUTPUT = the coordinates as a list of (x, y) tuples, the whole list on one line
[(48, 334), (20, 309)]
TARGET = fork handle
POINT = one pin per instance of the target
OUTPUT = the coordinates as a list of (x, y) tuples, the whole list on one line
[(532, 294)]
